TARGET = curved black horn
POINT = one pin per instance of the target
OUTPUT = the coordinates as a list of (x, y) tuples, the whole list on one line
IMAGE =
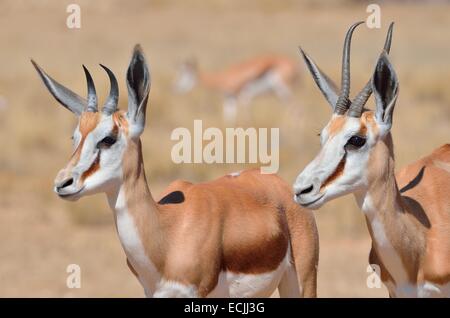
[(91, 105), (360, 100), (343, 101), (73, 102), (113, 97)]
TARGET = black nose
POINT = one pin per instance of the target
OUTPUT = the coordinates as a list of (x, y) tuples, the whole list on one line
[(64, 184), (305, 190)]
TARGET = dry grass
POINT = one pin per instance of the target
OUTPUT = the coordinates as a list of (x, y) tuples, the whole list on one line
[(41, 235)]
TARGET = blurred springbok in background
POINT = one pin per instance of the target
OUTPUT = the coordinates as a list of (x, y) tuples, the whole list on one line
[(230, 237), (242, 82), (410, 224)]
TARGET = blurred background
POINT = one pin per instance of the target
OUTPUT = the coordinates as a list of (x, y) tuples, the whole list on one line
[(40, 234)]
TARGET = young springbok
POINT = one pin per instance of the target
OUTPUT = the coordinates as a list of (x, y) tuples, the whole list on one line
[(408, 215), (237, 236), (242, 82)]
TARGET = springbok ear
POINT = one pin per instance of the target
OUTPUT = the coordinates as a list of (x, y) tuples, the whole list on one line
[(138, 83), (326, 85), (63, 95), (385, 88)]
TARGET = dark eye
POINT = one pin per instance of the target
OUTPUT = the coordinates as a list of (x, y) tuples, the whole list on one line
[(107, 142), (356, 141)]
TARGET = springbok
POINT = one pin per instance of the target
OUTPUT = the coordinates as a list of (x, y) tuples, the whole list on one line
[(237, 236), (410, 227), (242, 82)]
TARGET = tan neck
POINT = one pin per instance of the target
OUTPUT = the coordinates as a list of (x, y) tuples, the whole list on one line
[(134, 197), (392, 230), (382, 186)]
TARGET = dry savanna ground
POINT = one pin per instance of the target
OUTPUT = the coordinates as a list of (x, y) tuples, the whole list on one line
[(40, 234)]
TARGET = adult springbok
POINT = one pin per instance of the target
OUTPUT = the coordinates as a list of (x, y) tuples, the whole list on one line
[(241, 83), (408, 215), (237, 236)]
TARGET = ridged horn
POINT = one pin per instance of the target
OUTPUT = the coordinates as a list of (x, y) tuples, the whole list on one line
[(91, 105), (361, 99), (110, 105), (343, 101)]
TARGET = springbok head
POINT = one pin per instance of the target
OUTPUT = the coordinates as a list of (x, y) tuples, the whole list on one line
[(341, 165), (186, 77), (101, 136)]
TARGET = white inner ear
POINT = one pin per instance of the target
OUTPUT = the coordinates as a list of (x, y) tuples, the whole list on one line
[(383, 127), (136, 127)]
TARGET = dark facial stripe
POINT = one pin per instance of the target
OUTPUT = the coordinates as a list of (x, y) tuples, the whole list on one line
[(336, 174), (95, 166)]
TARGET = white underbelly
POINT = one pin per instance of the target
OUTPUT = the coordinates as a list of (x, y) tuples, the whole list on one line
[(249, 285)]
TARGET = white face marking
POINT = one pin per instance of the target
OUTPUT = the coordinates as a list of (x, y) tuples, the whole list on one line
[(76, 138), (235, 174), (110, 159), (334, 152)]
